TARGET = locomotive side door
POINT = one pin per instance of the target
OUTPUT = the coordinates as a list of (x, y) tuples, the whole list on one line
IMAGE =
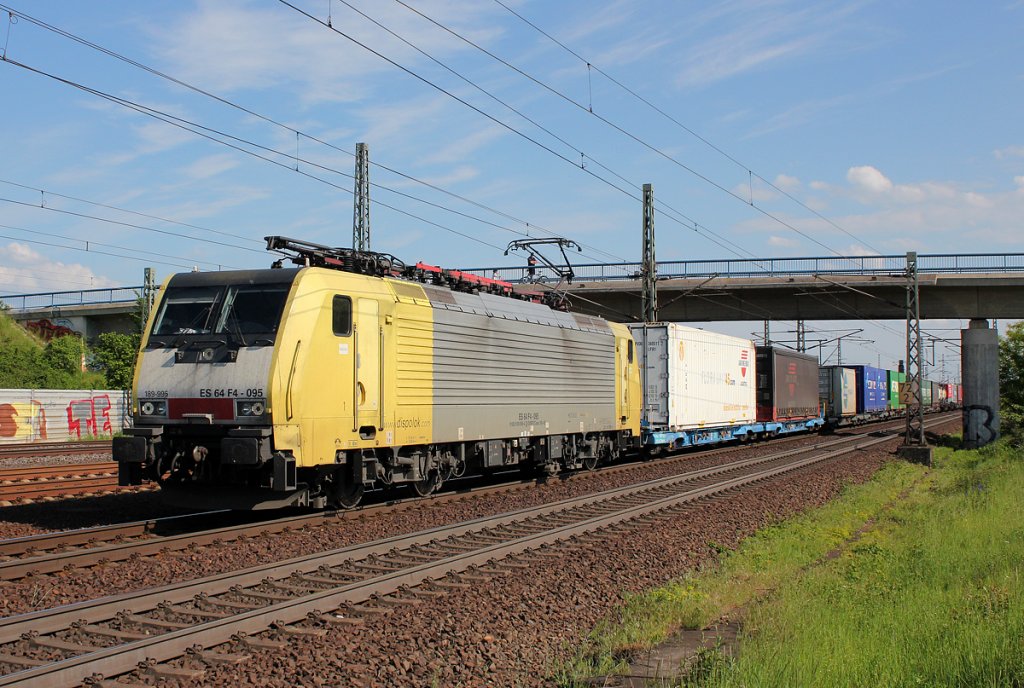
[(368, 366)]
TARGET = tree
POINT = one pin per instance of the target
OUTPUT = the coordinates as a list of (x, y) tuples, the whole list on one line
[(116, 354), (63, 356), (1011, 381)]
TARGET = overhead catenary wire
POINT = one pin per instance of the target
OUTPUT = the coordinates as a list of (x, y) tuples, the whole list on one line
[(49, 192), (208, 133), (592, 67), (121, 223), (104, 253), (505, 125), (90, 242), (688, 223), (90, 44)]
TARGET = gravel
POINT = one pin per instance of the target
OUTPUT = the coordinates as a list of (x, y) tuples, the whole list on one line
[(513, 631), (65, 587), (510, 631)]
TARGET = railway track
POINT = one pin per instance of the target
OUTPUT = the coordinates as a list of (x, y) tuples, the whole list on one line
[(51, 552), (33, 482), (55, 448), (113, 635)]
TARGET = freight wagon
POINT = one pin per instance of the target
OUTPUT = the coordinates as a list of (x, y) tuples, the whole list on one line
[(872, 390), (787, 391), (896, 380), (837, 392), (698, 386)]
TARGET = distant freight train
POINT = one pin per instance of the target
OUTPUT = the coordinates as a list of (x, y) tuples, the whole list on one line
[(305, 386), (856, 394)]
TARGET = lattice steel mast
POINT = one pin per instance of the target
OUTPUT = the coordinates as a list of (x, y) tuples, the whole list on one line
[(648, 264), (361, 211)]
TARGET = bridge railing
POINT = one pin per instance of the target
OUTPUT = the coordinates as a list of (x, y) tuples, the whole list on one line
[(56, 299), (940, 263), (775, 267)]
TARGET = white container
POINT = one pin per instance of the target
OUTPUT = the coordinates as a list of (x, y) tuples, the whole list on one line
[(693, 378)]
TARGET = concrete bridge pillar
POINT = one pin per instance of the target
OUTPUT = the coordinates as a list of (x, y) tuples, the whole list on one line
[(980, 366)]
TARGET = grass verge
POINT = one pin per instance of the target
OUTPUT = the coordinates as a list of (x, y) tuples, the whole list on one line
[(914, 578)]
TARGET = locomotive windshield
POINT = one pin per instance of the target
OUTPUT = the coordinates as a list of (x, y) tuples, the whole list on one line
[(238, 311)]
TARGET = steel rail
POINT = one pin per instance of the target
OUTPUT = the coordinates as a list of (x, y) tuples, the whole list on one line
[(51, 471), (55, 448), (120, 551), (119, 659), (64, 487), (97, 552)]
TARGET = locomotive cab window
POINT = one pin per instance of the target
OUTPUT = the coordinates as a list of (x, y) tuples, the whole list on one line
[(629, 350), (186, 311), (342, 316), (252, 309)]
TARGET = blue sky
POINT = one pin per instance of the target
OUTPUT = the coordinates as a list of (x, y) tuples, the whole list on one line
[(897, 122)]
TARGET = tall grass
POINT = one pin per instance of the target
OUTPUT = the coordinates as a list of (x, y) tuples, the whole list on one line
[(932, 595), (928, 592)]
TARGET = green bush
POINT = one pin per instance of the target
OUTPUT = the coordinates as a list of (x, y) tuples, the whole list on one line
[(1011, 383), (115, 355)]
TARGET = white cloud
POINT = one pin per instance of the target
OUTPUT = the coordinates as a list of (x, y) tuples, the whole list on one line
[(1009, 152), (30, 271), (783, 241), (210, 166), (237, 45), (786, 182), (751, 35), (869, 178), (917, 216)]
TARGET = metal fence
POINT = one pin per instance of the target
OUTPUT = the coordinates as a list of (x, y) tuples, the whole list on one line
[(777, 267), (941, 263), (35, 415), (54, 299)]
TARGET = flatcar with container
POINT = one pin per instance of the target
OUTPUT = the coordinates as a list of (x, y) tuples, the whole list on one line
[(787, 391), (837, 393), (698, 386)]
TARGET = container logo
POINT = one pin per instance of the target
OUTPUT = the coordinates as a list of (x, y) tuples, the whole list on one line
[(744, 362), (682, 351)]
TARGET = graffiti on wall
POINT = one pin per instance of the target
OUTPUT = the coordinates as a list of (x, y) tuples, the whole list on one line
[(84, 412), (25, 422), (91, 415), (50, 330)]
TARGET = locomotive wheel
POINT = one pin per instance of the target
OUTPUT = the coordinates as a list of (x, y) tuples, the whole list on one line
[(590, 462), (349, 495), (426, 486)]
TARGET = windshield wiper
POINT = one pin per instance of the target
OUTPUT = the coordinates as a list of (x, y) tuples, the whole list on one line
[(233, 321)]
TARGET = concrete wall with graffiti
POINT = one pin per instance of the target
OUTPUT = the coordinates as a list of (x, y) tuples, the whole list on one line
[(57, 415)]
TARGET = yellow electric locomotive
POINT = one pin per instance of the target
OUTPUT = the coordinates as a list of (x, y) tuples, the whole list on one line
[(304, 386)]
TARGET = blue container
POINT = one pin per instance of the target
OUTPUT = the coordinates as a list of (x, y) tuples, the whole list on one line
[(872, 389)]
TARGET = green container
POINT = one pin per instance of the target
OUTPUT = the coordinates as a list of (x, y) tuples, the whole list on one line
[(896, 380)]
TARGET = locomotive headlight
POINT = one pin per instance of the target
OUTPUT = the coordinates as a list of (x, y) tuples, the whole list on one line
[(251, 408), (153, 407)]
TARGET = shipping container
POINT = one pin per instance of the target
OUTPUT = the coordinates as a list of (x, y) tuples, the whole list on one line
[(949, 393), (694, 378), (872, 389), (938, 390), (926, 393), (896, 380), (960, 394), (837, 391), (787, 385)]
